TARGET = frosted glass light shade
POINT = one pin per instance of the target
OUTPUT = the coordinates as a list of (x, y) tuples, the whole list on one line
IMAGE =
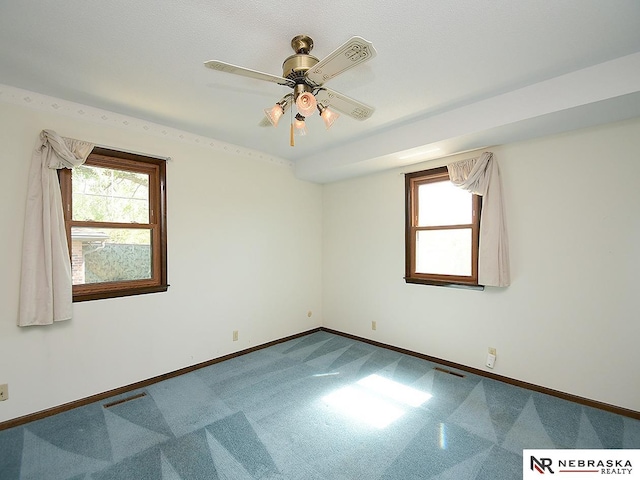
[(329, 116), (299, 125), (274, 113), (306, 104)]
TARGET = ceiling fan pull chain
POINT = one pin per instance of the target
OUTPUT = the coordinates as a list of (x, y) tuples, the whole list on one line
[(291, 140)]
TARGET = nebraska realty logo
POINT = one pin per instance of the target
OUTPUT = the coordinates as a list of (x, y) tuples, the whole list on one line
[(581, 464)]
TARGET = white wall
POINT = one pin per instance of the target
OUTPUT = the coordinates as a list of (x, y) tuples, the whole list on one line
[(570, 320), (244, 253)]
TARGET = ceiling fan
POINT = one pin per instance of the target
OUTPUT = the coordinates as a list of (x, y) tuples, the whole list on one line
[(306, 76)]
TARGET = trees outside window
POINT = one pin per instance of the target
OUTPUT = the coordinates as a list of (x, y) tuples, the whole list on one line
[(115, 217)]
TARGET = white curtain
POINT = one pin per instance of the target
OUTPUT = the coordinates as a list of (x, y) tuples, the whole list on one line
[(45, 287), (481, 176)]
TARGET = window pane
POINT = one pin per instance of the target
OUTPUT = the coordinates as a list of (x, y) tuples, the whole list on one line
[(106, 195), (110, 254), (442, 203), (444, 252)]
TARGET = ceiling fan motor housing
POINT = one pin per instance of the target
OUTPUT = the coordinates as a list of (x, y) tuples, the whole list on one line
[(295, 66)]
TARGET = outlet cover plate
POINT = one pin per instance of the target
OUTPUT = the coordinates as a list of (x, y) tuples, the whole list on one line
[(491, 360)]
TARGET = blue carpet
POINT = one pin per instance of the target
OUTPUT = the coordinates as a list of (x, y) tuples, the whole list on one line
[(318, 407)]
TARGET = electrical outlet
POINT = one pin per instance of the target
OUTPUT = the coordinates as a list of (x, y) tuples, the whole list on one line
[(4, 391), (374, 325), (235, 335), (491, 360)]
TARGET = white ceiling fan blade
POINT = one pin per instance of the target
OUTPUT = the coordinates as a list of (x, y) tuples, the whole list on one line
[(353, 52), (344, 104), (247, 72)]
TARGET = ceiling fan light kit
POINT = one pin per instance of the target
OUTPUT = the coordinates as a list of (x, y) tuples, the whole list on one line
[(306, 104), (329, 116), (306, 75), (274, 113), (299, 125)]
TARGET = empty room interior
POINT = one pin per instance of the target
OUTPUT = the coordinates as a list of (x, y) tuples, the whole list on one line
[(290, 264)]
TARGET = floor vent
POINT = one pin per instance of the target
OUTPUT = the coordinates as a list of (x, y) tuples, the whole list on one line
[(444, 370), (123, 400)]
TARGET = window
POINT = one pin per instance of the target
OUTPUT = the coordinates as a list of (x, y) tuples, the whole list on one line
[(442, 230), (115, 217)]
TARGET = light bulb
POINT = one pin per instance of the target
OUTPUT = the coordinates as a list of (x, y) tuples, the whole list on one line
[(306, 104), (274, 113)]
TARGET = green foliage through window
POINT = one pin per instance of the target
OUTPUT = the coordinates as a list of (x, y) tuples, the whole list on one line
[(115, 214)]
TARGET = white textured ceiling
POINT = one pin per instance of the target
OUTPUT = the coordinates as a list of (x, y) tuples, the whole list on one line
[(449, 75)]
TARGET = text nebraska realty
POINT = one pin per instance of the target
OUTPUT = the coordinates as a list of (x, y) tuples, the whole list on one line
[(606, 467)]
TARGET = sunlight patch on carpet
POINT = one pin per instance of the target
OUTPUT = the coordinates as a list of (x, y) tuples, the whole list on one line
[(376, 400)]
